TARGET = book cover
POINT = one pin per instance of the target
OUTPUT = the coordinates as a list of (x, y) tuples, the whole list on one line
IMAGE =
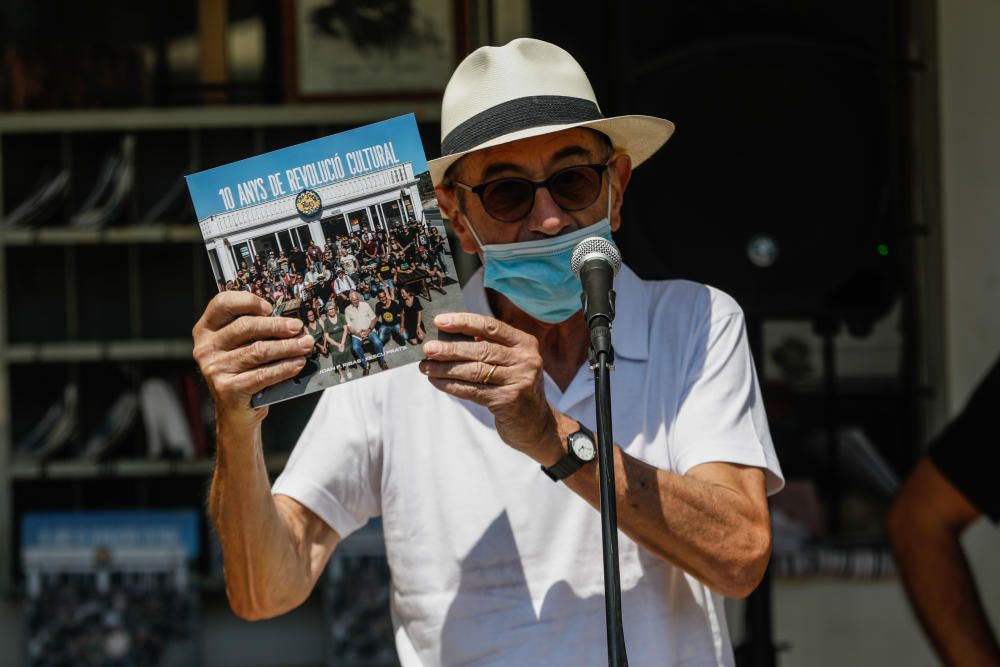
[(343, 233)]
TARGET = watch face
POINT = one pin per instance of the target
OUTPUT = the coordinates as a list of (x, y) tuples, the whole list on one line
[(584, 447)]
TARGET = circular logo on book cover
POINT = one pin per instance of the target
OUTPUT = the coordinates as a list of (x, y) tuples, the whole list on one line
[(308, 203)]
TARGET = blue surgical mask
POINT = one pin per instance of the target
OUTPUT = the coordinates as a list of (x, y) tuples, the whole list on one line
[(535, 275)]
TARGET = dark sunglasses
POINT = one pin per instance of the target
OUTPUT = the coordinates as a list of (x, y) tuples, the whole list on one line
[(511, 198)]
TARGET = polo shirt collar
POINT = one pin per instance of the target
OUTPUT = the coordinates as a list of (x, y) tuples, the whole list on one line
[(631, 316), (631, 311)]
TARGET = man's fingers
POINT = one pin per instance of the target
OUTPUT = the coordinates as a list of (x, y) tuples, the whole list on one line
[(475, 372), (262, 352), (481, 350), (227, 306), (261, 377), (477, 393), (248, 328), (474, 324)]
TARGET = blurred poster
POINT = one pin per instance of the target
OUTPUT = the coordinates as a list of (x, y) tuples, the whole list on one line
[(359, 48), (356, 590), (110, 588)]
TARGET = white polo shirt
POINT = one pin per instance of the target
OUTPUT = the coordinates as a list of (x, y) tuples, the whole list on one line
[(494, 564), (359, 318)]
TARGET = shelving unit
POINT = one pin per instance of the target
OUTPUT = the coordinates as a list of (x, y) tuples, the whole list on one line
[(155, 233), (156, 272), (112, 350), (126, 468)]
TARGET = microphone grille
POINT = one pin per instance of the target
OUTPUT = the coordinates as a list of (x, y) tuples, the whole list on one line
[(593, 248)]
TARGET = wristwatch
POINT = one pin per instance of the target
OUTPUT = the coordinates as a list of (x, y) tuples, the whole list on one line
[(580, 450)]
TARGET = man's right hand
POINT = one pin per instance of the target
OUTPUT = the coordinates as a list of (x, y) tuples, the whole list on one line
[(240, 349)]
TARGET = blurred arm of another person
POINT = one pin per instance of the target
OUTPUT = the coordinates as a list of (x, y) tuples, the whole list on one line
[(949, 489), (274, 549), (925, 523)]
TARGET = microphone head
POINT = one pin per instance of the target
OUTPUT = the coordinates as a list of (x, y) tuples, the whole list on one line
[(595, 247)]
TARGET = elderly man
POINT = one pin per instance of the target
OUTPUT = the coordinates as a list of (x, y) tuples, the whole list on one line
[(362, 324), (479, 469)]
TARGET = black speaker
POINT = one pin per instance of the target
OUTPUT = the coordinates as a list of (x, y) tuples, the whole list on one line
[(779, 185)]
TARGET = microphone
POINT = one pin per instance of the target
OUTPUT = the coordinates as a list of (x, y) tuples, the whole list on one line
[(596, 262)]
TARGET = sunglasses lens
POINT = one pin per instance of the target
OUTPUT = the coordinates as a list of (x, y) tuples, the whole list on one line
[(575, 188), (508, 199)]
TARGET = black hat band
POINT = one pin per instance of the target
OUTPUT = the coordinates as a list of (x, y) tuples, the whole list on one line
[(516, 115)]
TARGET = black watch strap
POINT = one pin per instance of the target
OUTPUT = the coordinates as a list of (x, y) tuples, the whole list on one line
[(569, 463)]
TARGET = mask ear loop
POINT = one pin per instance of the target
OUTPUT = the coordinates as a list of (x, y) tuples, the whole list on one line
[(608, 172), (482, 248)]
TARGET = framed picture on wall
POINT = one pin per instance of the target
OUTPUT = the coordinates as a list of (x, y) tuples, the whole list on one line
[(371, 49)]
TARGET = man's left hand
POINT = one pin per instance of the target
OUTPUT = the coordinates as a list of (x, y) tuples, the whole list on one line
[(500, 370)]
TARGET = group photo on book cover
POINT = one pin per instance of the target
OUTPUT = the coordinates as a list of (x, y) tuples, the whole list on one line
[(343, 233)]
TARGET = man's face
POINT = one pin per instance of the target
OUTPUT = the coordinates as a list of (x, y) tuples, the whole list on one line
[(383, 297), (535, 158), (355, 299)]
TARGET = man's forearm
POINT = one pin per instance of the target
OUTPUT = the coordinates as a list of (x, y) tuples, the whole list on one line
[(706, 529), (943, 593), (264, 572)]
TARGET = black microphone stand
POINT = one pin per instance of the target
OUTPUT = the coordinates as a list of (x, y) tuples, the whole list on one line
[(602, 359)]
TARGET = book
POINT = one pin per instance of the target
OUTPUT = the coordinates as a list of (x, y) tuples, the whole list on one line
[(340, 229)]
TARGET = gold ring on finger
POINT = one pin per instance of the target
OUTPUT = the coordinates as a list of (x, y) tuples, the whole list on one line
[(486, 380)]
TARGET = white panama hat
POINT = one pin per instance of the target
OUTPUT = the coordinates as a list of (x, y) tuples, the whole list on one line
[(525, 88)]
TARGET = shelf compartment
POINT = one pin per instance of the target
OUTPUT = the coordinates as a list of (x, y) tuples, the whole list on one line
[(166, 233), (182, 118), (120, 350), (127, 468)]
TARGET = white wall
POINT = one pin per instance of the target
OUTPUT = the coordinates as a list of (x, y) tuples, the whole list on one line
[(969, 62)]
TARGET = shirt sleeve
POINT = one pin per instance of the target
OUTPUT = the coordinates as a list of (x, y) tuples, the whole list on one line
[(967, 451), (335, 468), (721, 415)]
